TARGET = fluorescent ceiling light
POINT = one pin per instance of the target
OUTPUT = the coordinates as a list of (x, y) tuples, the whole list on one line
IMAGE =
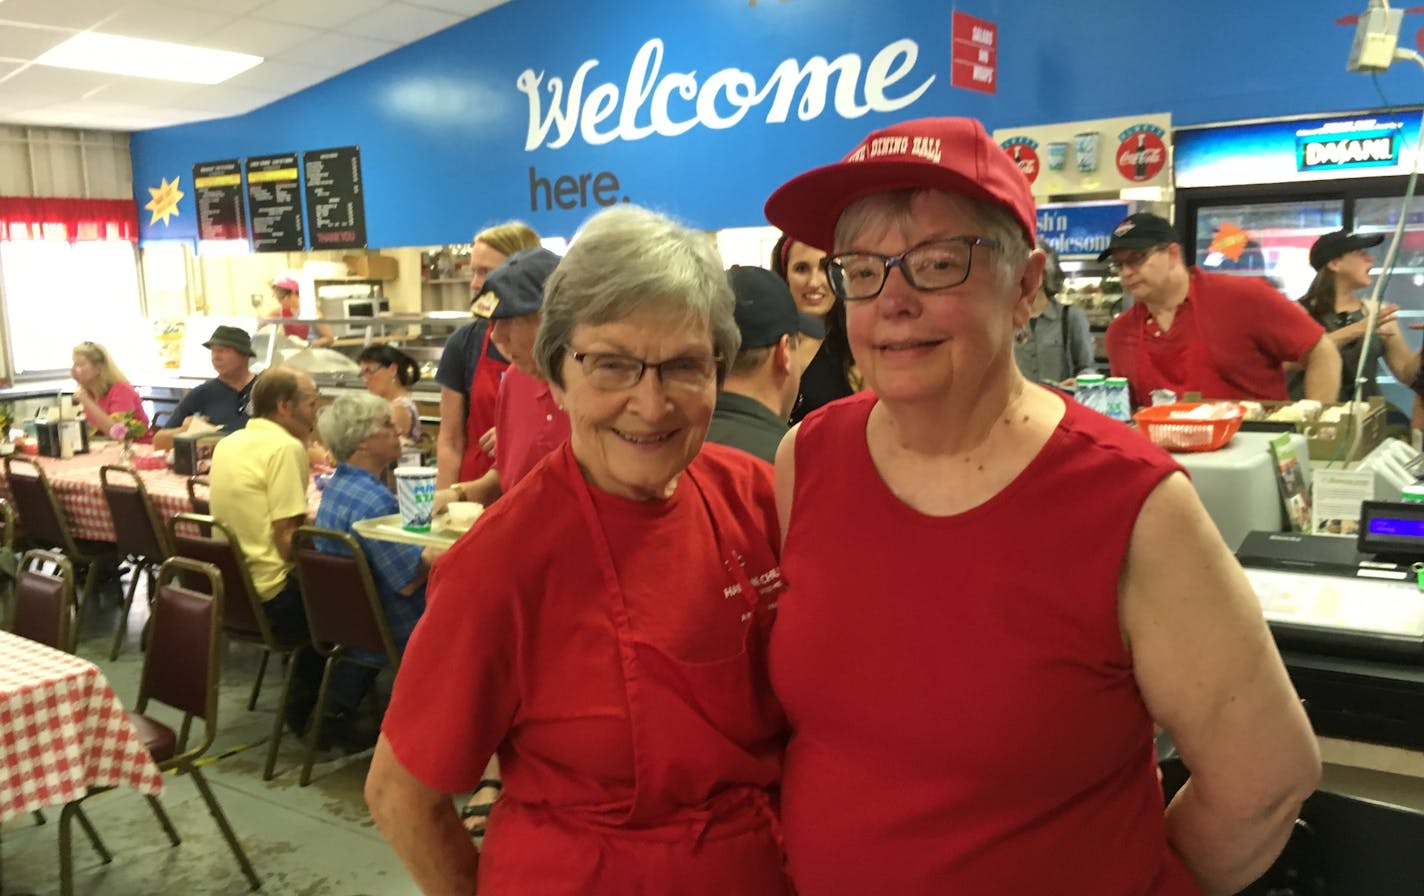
[(91, 51)]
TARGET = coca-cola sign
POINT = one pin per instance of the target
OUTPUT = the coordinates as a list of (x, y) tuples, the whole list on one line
[(1141, 154)]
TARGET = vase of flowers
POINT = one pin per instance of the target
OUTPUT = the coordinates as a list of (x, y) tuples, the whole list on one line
[(124, 427)]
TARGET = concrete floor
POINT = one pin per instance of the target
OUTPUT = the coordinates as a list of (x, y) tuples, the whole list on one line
[(306, 841)]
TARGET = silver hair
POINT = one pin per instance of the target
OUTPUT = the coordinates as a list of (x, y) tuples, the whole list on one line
[(350, 420), (1052, 269), (891, 210), (626, 260)]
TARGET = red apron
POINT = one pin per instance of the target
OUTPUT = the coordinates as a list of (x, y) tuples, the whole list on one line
[(1190, 368), (300, 331), (688, 722), (484, 387)]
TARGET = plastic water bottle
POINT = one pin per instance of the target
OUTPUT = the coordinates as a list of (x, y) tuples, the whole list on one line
[(1119, 399), (1090, 391)]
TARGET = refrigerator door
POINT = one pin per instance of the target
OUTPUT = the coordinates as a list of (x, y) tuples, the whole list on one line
[(1404, 284), (1265, 239)]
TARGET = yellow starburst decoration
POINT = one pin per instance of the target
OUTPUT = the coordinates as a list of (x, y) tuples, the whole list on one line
[(164, 203)]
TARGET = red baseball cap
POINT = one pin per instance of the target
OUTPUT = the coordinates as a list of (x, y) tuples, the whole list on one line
[(955, 155)]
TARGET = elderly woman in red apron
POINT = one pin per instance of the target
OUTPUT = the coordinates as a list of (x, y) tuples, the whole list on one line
[(613, 653)]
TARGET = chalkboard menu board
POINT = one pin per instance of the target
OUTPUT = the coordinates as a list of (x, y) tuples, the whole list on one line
[(274, 199), (335, 202), (218, 190)]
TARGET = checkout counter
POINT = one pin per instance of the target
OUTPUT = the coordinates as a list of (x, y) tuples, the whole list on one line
[(1346, 612)]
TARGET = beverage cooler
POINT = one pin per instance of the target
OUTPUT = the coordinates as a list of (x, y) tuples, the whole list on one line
[(1252, 197)]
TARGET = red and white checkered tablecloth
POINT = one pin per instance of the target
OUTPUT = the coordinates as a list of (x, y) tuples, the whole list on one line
[(75, 481), (62, 731)]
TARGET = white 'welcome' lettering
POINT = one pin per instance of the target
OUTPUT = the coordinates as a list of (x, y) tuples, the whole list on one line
[(720, 101)]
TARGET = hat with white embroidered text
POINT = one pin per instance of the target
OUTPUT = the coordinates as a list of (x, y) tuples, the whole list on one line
[(1140, 231), (954, 155), (1333, 245)]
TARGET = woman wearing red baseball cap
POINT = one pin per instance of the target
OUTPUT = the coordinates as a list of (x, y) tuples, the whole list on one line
[(995, 593)]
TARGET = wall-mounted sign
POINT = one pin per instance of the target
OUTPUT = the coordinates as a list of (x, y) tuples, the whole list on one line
[(1097, 156), (974, 57), (217, 188), (1081, 228), (1300, 149), (274, 200), (336, 205), (1340, 146), (1141, 154), (1024, 152)]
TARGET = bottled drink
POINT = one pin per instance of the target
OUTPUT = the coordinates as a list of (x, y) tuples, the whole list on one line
[(1139, 168), (1119, 398), (1090, 391)]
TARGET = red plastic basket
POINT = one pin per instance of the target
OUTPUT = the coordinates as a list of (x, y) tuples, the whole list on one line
[(1176, 434)]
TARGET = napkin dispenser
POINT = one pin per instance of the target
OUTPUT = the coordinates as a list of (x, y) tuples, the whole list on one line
[(62, 438), (193, 455)]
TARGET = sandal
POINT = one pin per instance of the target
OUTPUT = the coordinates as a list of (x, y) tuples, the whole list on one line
[(478, 813)]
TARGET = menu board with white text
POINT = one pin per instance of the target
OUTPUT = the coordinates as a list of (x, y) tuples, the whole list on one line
[(336, 207), (274, 198), (218, 190)]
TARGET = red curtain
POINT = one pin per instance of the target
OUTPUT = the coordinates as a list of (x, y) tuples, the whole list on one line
[(23, 218)]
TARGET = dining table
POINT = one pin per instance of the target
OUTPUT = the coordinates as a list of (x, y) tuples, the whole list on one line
[(76, 484), (63, 731)]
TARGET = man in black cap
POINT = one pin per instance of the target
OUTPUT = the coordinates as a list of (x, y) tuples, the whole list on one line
[(528, 422), (761, 384), (1222, 335), (223, 401)]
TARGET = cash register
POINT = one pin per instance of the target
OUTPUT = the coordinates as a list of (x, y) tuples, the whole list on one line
[(1348, 617)]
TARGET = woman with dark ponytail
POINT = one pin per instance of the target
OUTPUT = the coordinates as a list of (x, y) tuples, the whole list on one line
[(830, 372), (389, 373)]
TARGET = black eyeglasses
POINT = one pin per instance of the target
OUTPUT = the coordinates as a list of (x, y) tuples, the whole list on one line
[(1135, 260), (933, 264), (614, 373)]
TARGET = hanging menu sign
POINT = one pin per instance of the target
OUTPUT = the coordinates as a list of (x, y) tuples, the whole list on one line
[(335, 202), (274, 199), (218, 190)]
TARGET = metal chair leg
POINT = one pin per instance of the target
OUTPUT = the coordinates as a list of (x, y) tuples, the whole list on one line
[(257, 685), (163, 820), (281, 717), (218, 816), (122, 627), (83, 601), (92, 834), (66, 846), (315, 724)]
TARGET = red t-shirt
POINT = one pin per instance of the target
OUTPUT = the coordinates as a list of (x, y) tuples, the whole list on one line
[(1227, 340), (528, 424), (964, 713), (518, 651)]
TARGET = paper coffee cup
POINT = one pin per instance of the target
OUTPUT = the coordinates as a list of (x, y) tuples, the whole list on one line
[(415, 493)]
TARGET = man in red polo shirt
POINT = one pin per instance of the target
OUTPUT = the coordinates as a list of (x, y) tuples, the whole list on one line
[(1221, 335)]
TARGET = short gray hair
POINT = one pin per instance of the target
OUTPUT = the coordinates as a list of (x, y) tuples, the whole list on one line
[(350, 420), (892, 209), (628, 259)]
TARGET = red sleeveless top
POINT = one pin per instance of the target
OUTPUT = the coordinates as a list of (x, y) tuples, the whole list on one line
[(965, 717)]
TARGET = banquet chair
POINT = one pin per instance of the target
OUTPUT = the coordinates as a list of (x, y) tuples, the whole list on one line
[(46, 526), (44, 612), (344, 614), (243, 618), (138, 535), (182, 670), (8, 560)]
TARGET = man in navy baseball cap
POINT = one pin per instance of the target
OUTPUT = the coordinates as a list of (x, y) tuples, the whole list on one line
[(764, 379)]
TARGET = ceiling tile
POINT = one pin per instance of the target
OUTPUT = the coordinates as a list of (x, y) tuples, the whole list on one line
[(173, 24), (338, 51), (61, 82), (261, 38), (142, 92), (232, 7), (317, 13), (19, 42), (463, 8), (79, 14), (400, 22), (280, 76)]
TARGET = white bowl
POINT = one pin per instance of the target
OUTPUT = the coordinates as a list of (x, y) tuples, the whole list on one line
[(462, 514)]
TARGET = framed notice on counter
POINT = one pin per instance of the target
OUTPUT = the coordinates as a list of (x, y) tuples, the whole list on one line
[(218, 195), (274, 198), (336, 203)]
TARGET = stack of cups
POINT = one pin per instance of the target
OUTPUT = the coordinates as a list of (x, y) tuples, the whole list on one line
[(415, 493)]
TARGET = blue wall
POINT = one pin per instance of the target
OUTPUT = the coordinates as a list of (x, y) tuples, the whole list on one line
[(442, 124)]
